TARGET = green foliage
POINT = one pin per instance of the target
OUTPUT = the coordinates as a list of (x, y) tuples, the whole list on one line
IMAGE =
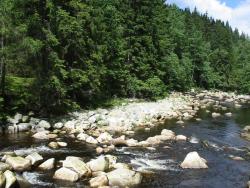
[(63, 55)]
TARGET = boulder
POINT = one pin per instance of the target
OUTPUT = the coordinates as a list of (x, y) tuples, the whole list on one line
[(23, 127), (43, 135), (44, 124), (66, 175), (18, 117), (104, 138), (99, 150), (216, 115), (91, 140), (34, 158), (82, 136), (124, 178), (121, 165), (120, 141), (99, 164), (132, 142), (22, 183), (77, 165), (53, 145), (62, 144), (18, 163), (153, 141), (112, 160), (168, 133), (25, 119), (181, 138), (2, 179), (193, 160), (47, 165), (10, 179), (58, 125), (69, 125), (99, 181), (4, 167), (247, 128)]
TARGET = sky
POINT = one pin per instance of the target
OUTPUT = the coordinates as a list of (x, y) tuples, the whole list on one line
[(236, 12)]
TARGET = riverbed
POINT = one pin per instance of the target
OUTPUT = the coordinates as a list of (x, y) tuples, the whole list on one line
[(215, 139)]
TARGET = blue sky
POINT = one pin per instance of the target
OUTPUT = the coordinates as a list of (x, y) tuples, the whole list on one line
[(237, 12)]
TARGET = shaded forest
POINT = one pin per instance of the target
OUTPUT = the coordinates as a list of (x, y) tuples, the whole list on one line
[(60, 55)]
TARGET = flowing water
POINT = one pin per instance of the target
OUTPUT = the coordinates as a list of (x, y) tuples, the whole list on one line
[(214, 139)]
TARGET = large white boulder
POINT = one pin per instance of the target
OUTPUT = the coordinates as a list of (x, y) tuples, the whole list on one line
[(99, 164), (47, 165), (66, 174), (123, 177), (104, 138), (168, 134), (10, 179), (18, 163), (34, 158), (193, 160), (76, 164), (99, 181)]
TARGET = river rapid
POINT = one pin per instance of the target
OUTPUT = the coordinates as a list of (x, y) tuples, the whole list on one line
[(216, 140)]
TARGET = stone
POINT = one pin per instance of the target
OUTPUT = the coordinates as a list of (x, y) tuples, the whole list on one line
[(18, 117), (66, 175), (62, 144), (120, 141), (82, 136), (2, 179), (91, 140), (22, 183), (77, 165), (34, 158), (10, 179), (53, 145), (112, 160), (23, 127), (99, 181), (229, 114), (122, 177), (216, 115), (181, 138), (99, 150), (168, 133), (58, 125), (52, 136), (132, 142), (121, 165), (247, 128), (25, 119), (47, 165), (99, 164), (4, 167), (18, 163), (180, 122), (69, 125), (104, 138), (154, 141), (43, 135), (193, 160), (143, 144), (44, 124)]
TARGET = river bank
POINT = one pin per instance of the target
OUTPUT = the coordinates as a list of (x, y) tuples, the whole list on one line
[(123, 122)]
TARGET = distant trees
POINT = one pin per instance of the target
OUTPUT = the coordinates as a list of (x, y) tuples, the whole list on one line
[(61, 55)]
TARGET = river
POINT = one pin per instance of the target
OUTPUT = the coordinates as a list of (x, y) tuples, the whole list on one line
[(214, 139)]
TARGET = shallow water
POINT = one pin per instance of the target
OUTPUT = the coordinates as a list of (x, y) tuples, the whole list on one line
[(214, 139)]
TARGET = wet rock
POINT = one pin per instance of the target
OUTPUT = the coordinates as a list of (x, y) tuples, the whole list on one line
[(69, 125), (120, 141), (99, 150), (168, 134), (99, 164), (236, 158), (62, 144), (132, 142), (44, 124), (77, 165), (180, 122), (91, 140), (66, 174), (124, 178), (10, 179), (18, 163), (18, 117), (2, 179), (153, 141), (22, 183), (82, 136), (143, 144), (181, 138), (99, 181), (58, 125), (193, 160), (4, 167), (43, 135), (104, 138), (216, 115), (47, 165), (23, 127), (229, 114), (53, 145), (34, 158)]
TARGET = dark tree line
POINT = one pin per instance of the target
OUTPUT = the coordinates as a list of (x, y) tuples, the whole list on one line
[(58, 55)]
